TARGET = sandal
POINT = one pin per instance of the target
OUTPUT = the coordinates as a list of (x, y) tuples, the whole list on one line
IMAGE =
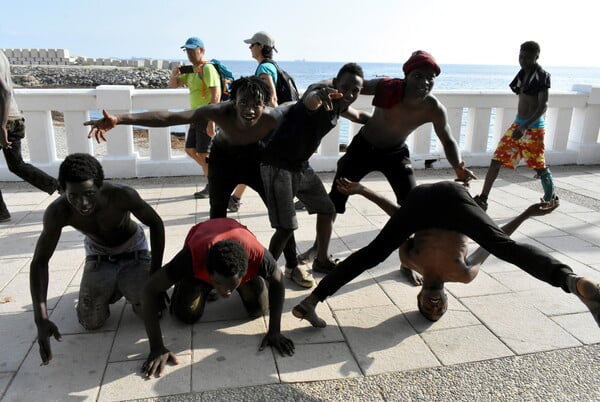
[(304, 312), (593, 303)]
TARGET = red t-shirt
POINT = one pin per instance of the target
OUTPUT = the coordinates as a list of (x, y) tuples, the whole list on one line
[(203, 235), (389, 92)]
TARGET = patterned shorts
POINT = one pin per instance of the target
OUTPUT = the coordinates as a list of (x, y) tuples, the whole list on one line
[(529, 147)]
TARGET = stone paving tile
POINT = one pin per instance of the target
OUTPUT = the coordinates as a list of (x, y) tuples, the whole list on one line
[(465, 344), (361, 292), (131, 342), (300, 331), (10, 268), (318, 361), (5, 378), (582, 326), (522, 328), (18, 290), (125, 381), (552, 301), (225, 354), (13, 349), (382, 340), (483, 284), (518, 280), (74, 374)]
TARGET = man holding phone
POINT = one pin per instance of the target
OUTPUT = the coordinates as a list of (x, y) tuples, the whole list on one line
[(204, 84)]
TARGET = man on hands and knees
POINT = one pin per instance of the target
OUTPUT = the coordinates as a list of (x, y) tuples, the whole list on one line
[(442, 216), (117, 261), (224, 255)]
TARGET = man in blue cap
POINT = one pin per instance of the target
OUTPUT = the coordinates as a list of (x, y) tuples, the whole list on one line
[(203, 82)]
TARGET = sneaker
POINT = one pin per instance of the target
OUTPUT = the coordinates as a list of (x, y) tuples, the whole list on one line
[(483, 204), (201, 194), (325, 267), (4, 216), (554, 199), (300, 275), (234, 204), (299, 206)]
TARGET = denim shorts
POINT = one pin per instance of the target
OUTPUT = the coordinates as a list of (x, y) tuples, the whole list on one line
[(105, 281)]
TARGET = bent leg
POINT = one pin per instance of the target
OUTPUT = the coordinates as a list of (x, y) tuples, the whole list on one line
[(255, 297), (189, 299), (31, 174), (130, 281), (98, 289)]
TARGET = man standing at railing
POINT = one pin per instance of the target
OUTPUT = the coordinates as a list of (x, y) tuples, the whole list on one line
[(524, 139), (13, 131), (204, 85), (401, 106)]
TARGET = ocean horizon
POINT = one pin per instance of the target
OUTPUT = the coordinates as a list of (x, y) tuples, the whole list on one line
[(452, 77)]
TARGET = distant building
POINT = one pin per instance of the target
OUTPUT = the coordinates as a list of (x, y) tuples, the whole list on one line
[(61, 57)]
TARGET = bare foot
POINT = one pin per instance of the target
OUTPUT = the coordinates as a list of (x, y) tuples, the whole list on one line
[(305, 311), (413, 277), (308, 256)]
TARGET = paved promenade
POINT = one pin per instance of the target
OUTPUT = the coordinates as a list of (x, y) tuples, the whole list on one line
[(506, 336)]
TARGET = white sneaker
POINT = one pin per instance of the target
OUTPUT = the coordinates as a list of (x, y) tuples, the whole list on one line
[(300, 276)]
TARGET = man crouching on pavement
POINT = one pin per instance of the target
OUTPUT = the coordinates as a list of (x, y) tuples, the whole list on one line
[(224, 255)]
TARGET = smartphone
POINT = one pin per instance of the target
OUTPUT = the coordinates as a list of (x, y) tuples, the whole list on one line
[(186, 69)]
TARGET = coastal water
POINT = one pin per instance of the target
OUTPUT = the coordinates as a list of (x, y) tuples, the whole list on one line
[(453, 76)]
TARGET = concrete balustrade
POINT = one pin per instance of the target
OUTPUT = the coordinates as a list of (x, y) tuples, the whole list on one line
[(477, 120)]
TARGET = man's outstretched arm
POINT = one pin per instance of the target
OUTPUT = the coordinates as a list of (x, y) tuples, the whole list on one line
[(148, 119)]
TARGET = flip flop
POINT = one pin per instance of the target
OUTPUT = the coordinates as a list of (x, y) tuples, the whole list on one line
[(304, 312)]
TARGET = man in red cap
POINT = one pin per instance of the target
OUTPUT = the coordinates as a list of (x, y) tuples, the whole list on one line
[(401, 106)]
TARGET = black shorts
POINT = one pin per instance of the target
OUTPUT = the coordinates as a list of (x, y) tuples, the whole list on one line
[(198, 138)]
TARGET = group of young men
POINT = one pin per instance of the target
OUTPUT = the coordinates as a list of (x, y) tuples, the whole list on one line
[(268, 149)]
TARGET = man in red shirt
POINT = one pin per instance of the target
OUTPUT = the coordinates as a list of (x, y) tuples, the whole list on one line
[(224, 255)]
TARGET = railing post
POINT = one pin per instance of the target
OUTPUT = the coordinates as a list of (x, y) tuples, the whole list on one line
[(120, 159), (585, 138), (39, 134), (77, 133)]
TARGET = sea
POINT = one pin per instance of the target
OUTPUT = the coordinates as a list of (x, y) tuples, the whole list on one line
[(453, 76)]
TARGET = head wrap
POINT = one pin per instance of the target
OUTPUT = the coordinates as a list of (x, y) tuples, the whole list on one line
[(419, 59)]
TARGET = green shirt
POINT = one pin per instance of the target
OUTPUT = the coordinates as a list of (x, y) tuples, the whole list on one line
[(199, 84)]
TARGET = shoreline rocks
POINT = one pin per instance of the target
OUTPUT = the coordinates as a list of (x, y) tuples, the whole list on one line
[(88, 76)]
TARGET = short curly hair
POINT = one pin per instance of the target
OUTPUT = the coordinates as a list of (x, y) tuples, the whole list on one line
[(530, 46), (80, 167), (256, 86), (227, 258)]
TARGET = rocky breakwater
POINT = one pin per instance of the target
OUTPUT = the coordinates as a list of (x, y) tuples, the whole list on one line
[(88, 77)]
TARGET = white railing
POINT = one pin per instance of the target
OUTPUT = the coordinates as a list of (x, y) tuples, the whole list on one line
[(477, 120)]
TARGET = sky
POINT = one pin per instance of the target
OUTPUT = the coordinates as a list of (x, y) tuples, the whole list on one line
[(454, 31)]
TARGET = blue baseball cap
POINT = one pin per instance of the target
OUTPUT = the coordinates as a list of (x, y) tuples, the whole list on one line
[(193, 43)]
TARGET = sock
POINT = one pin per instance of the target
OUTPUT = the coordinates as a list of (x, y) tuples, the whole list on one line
[(547, 184)]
